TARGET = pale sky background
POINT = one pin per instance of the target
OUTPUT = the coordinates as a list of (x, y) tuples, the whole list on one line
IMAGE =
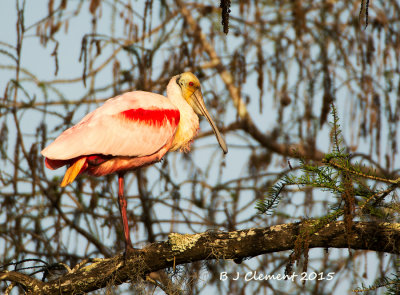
[(37, 59)]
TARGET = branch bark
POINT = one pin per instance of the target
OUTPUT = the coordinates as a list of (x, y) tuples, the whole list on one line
[(237, 245)]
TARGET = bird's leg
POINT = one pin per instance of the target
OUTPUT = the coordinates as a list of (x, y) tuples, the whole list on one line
[(122, 208)]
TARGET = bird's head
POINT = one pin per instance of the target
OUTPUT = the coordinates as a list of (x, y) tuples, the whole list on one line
[(191, 92), (189, 84)]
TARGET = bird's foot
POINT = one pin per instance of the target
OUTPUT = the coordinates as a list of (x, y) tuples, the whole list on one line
[(129, 251)]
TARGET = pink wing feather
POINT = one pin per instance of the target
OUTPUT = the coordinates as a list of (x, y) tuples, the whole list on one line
[(134, 124)]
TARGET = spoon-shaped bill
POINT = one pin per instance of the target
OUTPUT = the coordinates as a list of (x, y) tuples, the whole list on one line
[(200, 108)]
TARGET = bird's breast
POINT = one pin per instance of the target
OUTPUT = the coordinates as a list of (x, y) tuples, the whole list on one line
[(186, 131)]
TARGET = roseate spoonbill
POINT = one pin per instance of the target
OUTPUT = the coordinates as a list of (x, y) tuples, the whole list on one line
[(129, 131)]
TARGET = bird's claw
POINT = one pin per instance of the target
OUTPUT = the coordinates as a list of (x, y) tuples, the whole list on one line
[(129, 250)]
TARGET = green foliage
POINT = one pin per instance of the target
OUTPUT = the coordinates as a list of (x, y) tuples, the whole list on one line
[(267, 204), (355, 191), (392, 285), (331, 177)]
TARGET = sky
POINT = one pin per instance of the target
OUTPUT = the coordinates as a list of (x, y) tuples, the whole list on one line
[(38, 58)]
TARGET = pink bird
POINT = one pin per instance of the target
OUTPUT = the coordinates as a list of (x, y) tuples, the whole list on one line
[(129, 131)]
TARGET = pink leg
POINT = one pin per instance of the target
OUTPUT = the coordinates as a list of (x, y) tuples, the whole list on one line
[(122, 208)]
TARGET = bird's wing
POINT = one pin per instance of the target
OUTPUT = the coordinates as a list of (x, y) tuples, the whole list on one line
[(133, 124)]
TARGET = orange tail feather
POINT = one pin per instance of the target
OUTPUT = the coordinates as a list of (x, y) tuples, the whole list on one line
[(73, 171)]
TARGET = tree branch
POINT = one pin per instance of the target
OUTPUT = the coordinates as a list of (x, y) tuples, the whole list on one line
[(237, 245), (30, 284)]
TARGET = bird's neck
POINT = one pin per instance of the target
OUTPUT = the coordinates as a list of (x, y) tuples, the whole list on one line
[(188, 122)]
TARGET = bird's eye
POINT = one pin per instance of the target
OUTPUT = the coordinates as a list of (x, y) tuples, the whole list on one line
[(191, 83)]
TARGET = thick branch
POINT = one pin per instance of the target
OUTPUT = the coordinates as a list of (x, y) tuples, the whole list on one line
[(180, 249), (31, 285)]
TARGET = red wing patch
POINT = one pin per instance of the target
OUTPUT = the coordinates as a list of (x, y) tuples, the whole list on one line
[(55, 164), (92, 160), (152, 117)]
